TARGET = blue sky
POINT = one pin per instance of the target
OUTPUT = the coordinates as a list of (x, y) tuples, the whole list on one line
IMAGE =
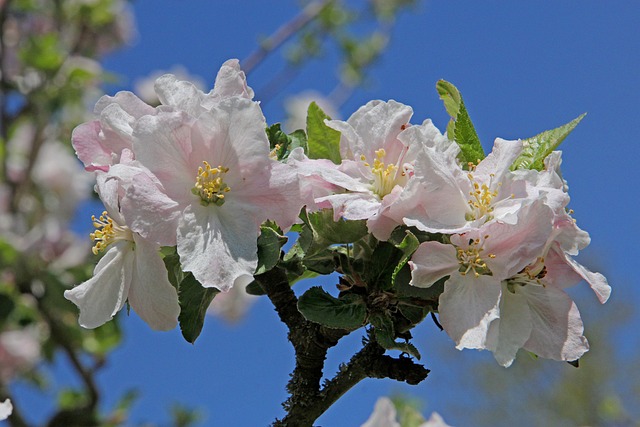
[(522, 67)]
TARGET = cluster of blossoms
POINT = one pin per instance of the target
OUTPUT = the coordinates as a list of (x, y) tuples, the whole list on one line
[(197, 173)]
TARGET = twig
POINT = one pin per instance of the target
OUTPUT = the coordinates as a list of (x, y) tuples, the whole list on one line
[(282, 34)]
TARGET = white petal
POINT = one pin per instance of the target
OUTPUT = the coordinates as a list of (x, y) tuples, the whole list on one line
[(432, 261), (218, 244), (596, 281), (102, 296), (6, 409), (151, 295), (182, 95), (556, 324), (435, 420), (467, 306), (384, 414), (162, 144), (509, 333), (231, 81), (352, 206), (498, 162), (145, 206)]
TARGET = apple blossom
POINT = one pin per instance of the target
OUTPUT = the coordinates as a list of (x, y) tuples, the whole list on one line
[(443, 198), (376, 164), (385, 415), (6, 409), (131, 271), (206, 184), (477, 262), (100, 143)]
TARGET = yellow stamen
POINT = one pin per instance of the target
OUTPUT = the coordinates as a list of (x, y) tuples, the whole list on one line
[(210, 185), (107, 232), (470, 259)]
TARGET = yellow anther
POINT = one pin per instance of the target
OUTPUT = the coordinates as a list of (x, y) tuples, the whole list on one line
[(210, 185), (107, 232), (385, 176), (470, 259)]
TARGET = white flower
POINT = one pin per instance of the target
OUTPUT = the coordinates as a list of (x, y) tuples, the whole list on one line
[(384, 414), (377, 162), (443, 198), (477, 262), (130, 270), (6, 409)]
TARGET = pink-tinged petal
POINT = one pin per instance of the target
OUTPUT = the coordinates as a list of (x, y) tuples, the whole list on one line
[(182, 95), (467, 306), (382, 224), (128, 101), (498, 162), (349, 139), (117, 125), (151, 295), (433, 199), (145, 207), (232, 135), (558, 272), (89, 146), (378, 124), (163, 145), (312, 185), (516, 246), (102, 296), (327, 171), (427, 135), (219, 246), (509, 333), (276, 197), (596, 281), (109, 191), (352, 206), (431, 262), (231, 81), (556, 325), (568, 235)]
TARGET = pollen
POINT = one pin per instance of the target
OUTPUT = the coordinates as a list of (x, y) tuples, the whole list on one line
[(210, 185), (107, 232), (385, 176), (481, 197), (471, 259)]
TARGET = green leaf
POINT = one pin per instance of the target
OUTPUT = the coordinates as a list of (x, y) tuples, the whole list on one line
[(409, 410), (269, 243), (194, 300), (460, 128), (282, 144), (348, 312), (324, 142), (385, 336), (43, 52), (538, 147), (408, 246), (336, 232), (382, 266), (174, 269)]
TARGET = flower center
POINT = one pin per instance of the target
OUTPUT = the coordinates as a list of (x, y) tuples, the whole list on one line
[(385, 176), (480, 197), (530, 275), (210, 185), (470, 259), (107, 232)]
